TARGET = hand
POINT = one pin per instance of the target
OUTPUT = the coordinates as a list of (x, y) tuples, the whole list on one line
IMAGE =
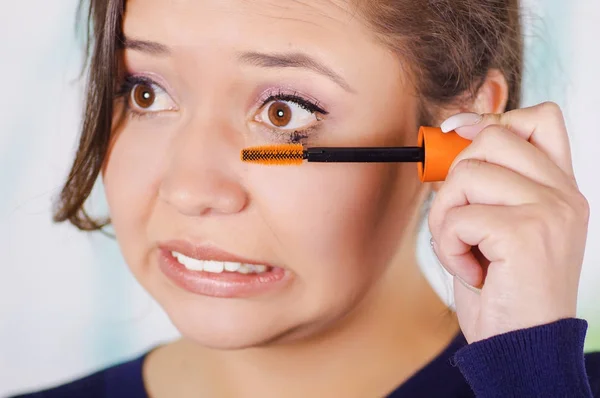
[(510, 221)]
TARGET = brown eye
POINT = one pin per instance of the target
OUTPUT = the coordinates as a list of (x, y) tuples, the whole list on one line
[(280, 114), (288, 114), (143, 96)]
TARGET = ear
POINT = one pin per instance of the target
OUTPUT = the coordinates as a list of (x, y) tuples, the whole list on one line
[(492, 95), (491, 98)]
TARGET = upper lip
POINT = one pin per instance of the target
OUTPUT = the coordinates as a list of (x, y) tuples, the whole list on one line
[(206, 252)]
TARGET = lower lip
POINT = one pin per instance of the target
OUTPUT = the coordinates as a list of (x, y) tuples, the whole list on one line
[(223, 285)]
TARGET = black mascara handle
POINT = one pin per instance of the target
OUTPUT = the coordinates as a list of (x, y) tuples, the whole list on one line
[(365, 155)]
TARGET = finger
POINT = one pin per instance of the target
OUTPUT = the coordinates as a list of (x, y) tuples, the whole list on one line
[(498, 145), (467, 301), (473, 181), (468, 226), (542, 125)]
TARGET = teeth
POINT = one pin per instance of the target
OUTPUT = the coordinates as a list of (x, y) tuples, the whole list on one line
[(260, 268), (192, 263), (232, 267), (218, 266), (256, 268), (244, 269), (213, 266)]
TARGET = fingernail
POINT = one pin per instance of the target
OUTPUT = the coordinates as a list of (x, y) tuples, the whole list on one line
[(460, 120)]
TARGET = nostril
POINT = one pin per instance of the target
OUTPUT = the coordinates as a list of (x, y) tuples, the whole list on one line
[(235, 203)]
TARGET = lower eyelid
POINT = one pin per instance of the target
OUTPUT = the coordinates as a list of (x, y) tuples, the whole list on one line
[(140, 115), (308, 133)]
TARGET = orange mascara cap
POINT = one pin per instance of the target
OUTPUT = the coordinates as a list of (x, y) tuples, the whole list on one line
[(440, 151)]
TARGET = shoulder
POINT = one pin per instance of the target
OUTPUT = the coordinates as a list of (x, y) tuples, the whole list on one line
[(120, 381), (592, 364)]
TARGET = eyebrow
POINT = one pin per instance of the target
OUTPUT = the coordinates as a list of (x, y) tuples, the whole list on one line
[(293, 60), (263, 60), (144, 46)]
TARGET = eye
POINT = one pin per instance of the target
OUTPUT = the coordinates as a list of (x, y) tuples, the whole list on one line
[(146, 97), (287, 114)]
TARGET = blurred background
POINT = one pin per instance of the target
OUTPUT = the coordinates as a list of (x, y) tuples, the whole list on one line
[(69, 306)]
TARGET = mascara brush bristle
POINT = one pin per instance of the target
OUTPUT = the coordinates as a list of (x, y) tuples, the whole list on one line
[(277, 155)]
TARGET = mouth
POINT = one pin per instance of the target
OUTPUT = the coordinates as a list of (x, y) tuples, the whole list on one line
[(210, 271)]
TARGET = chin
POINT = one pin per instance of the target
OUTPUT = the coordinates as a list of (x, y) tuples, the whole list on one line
[(228, 329), (214, 328)]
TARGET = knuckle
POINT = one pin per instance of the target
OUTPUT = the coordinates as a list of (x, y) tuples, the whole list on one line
[(535, 226), (506, 230), (552, 110), (564, 211), (576, 208), (561, 212), (452, 217), (507, 240), (582, 205), (446, 228), (489, 136), (468, 166), (550, 106), (463, 170)]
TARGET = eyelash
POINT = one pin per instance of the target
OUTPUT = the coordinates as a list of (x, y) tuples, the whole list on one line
[(308, 105)]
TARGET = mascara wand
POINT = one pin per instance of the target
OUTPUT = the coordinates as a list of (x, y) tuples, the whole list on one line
[(434, 154)]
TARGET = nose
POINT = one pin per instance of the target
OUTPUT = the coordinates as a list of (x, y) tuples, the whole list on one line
[(200, 177)]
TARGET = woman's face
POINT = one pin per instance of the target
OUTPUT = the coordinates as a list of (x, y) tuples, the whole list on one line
[(205, 79)]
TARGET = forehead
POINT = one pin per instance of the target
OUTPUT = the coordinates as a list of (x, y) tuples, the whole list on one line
[(333, 25), (256, 13)]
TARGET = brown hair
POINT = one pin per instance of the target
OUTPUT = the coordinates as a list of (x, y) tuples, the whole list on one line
[(449, 46)]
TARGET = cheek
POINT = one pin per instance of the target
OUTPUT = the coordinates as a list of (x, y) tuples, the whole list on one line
[(130, 180), (336, 224)]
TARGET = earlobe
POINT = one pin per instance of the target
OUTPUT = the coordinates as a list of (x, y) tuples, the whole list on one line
[(492, 96)]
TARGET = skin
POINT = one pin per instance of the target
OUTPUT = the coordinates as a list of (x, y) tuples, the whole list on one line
[(346, 237)]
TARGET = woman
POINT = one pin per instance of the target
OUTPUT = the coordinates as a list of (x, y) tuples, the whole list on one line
[(303, 282)]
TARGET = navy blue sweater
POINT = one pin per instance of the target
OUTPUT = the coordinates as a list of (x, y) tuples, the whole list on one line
[(544, 361)]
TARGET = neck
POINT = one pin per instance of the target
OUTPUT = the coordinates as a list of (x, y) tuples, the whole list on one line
[(395, 331)]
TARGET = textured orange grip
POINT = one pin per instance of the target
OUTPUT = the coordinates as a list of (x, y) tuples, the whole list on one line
[(440, 151)]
